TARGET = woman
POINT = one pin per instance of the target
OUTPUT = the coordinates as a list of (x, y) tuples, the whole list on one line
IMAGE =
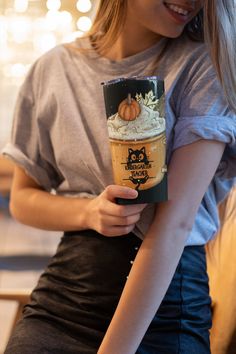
[(60, 144)]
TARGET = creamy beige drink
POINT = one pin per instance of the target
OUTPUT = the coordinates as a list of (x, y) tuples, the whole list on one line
[(137, 141)]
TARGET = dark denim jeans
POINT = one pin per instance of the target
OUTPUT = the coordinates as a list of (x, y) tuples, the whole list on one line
[(77, 294)]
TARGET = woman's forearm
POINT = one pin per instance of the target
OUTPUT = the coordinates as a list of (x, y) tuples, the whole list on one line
[(147, 284), (46, 211)]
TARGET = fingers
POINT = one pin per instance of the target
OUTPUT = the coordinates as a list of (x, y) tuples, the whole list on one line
[(132, 209), (115, 226), (123, 210), (109, 218), (121, 221), (117, 230), (114, 191)]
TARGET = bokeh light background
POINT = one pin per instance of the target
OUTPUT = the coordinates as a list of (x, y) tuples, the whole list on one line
[(29, 28)]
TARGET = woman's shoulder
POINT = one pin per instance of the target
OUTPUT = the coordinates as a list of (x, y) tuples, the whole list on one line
[(188, 45), (60, 55), (79, 49), (190, 61), (190, 51), (53, 58), (54, 65)]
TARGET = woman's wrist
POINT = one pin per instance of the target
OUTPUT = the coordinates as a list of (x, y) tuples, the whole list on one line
[(83, 210)]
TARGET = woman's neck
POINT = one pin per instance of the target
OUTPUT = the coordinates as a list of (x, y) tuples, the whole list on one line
[(131, 41)]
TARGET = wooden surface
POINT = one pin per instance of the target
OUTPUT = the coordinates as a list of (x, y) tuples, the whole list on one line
[(17, 294), (221, 263), (17, 240), (6, 172)]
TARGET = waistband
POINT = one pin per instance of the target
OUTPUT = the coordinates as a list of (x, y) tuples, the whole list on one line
[(93, 233)]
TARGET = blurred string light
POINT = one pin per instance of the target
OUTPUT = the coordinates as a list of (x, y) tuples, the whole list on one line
[(21, 5), (53, 5), (3, 30), (17, 70), (26, 34), (84, 23), (44, 42), (84, 5), (58, 21), (66, 17), (19, 28), (52, 20), (73, 36)]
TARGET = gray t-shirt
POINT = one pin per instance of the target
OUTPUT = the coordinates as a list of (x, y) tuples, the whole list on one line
[(60, 133)]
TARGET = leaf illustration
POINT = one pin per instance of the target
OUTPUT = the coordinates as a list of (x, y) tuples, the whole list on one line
[(149, 100)]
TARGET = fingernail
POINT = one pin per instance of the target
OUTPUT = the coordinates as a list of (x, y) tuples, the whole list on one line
[(133, 193)]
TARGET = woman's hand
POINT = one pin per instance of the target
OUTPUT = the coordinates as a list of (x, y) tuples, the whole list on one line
[(109, 218)]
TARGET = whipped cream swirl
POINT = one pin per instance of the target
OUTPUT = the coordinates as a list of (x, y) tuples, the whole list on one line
[(148, 124)]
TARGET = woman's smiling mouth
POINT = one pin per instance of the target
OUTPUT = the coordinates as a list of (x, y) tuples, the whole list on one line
[(180, 13), (177, 9)]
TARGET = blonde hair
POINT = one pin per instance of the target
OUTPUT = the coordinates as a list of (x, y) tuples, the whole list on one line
[(217, 27), (107, 24), (220, 35)]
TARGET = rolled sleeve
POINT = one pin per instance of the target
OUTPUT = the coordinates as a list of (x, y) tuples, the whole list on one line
[(36, 172), (223, 129), (203, 113), (26, 147)]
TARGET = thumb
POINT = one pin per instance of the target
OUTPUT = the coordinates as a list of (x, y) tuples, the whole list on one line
[(114, 191)]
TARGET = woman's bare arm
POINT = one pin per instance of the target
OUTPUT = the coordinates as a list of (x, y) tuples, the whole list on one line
[(33, 206), (190, 172)]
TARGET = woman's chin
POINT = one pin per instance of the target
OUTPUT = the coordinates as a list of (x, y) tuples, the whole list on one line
[(171, 31), (174, 34)]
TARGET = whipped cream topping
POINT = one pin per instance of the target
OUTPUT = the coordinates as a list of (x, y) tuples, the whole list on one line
[(148, 124)]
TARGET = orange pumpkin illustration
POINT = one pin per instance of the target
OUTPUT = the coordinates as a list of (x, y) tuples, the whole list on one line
[(129, 109)]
